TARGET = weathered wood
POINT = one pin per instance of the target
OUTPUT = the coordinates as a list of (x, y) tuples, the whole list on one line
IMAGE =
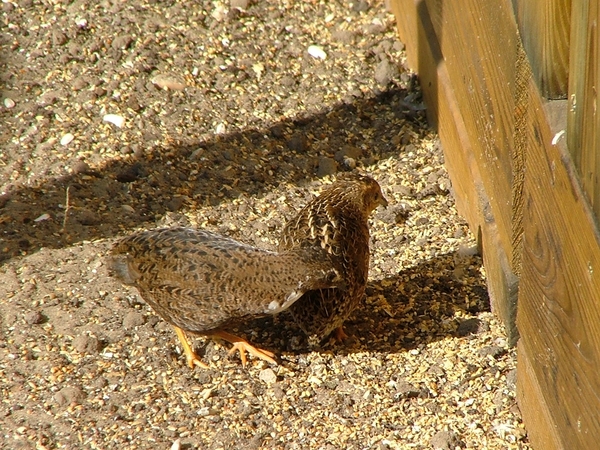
[(583, 130), (558, 314), (473, 203), (541, 428), (480, 50), (460, 150), (519, 192), (523, 77), (544, 26)]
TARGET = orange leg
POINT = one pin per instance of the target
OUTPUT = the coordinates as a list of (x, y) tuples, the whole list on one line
[(244, 346), (339, 334), (190, 356)]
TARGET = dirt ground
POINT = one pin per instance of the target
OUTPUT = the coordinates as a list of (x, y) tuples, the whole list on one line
[(118, 116)]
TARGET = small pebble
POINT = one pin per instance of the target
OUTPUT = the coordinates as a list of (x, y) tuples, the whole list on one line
[(298, 143), (122, 42), (492, 350), (375, 27), (79, 83), (468, 326), (115, 119), (175, 203), (86, 217), (9, 103), (86, 344), (444, 440), (385, 72), (220, 128), (349, 163), (133, 319), (59, 38), (268, 376), (343, 36), (168, 81), (131, 173), (406, 390), (219, 13), (348, 151), (359, 6), (317, 52), (66, 139), (69, 396), (34, 318)]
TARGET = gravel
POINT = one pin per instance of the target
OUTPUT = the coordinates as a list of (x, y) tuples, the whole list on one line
[(230, 116)]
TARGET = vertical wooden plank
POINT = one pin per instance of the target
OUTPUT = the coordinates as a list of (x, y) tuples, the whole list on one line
[(559, 293), (583, 126), (478, 41), (523, 78), (463, 147), (544, 26), (488, 74), (501, 158), (541, 429)]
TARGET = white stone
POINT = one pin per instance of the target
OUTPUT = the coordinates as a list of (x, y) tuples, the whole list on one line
[(317, 52), (115, 119)]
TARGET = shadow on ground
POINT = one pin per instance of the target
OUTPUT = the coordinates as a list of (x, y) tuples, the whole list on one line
[(140, 188), (414, 307)]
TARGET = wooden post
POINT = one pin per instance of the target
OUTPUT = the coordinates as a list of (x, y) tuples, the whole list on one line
[(515, 183), (544, 26), (583, 128), (558, 314)]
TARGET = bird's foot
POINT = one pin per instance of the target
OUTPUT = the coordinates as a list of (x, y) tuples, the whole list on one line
[(243, 346), (340, 335), (194, 360), (191, 357)]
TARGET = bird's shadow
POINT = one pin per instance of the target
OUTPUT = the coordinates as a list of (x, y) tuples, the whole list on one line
[(140, 188), (431, 301)]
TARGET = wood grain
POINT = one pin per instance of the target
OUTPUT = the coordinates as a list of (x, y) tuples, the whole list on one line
[(480, 51), (559, 313), (583, 128), (545, 26), (520, 193), (540, 426), (460, 150)]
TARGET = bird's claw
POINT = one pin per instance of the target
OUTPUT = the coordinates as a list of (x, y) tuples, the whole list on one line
[(242, 347), (340, 335)]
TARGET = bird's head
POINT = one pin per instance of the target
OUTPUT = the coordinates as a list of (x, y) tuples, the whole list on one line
[(372, 195), (364, 189)]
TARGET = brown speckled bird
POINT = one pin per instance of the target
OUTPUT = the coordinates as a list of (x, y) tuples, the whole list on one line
[(336, 221), (204, 283)]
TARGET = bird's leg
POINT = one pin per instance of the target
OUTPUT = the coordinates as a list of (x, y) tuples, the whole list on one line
[(244, 346), (190, 356), (339, 334)]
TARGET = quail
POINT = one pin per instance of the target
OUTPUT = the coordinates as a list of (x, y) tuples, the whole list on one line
[(203, 283), (337, 222)]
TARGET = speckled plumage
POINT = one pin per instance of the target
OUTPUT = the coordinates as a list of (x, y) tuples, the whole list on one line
[(204, 283), (336, 221)]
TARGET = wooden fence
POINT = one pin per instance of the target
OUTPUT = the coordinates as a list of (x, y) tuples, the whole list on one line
[(512, 87)]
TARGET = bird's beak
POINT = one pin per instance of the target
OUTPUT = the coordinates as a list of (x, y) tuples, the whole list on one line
[(383, 202)]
